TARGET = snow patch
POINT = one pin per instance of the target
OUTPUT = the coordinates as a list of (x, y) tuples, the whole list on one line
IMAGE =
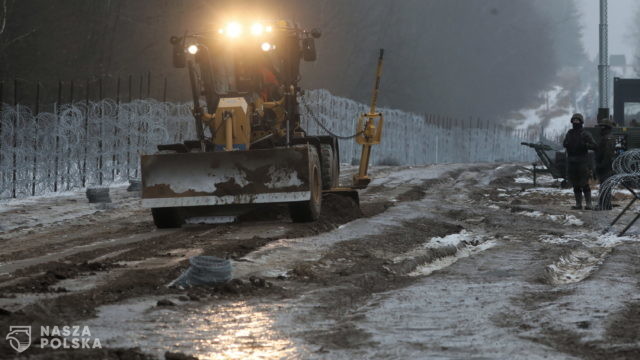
[(582, 262), (575, 267), (463, 252), (592, 239), (211, 220), (466, 244), (568, 220), (461, 238)]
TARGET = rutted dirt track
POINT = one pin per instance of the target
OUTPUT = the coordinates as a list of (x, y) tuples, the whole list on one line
[(446, 261)]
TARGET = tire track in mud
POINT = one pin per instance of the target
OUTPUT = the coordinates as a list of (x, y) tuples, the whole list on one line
[(353, 271), (142, 282), (539, 293), (333, 289), (61, 305), (582, 297)]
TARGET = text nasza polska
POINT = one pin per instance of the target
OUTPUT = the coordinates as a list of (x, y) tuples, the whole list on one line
[(68, 337)]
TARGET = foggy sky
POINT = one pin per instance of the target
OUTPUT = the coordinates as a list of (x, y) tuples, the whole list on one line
[(621, 14), (462, 58)]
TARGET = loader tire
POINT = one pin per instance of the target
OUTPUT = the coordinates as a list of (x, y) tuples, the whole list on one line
[(166, 218), (307, 211), (330, 167)]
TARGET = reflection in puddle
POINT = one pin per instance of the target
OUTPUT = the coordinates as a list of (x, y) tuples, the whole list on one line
[(234, 330)]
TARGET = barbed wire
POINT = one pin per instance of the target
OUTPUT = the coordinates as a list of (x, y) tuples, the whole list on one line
[(83, 144), (627, 173), (314, 117)]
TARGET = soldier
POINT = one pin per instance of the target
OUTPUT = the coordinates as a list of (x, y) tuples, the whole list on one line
[(606, 151), (605, 154), (578, 143)]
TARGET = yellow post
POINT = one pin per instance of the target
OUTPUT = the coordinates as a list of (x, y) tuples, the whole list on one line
[(228, 127), (369, 131)]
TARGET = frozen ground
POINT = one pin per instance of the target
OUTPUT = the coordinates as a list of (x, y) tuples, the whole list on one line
[(444, 262)]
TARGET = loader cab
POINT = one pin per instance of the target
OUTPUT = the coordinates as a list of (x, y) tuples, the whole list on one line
[(239, 59)]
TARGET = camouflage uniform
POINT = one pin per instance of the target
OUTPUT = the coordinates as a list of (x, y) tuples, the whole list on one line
[(578, 143), (605, 154)]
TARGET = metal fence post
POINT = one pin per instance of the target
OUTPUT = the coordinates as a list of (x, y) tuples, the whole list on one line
[(100, 120), (149, 84), (57, 140), (1, 157), (71, 101), (15, 138), (129, 131), (86, 137), (115, 132), (35, 140), (164, 91)]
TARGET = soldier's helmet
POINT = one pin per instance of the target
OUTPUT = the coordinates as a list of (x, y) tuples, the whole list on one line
[(578, 117)]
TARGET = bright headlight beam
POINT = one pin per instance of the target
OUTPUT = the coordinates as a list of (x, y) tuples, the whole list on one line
[(266, 46), (234, 29), (269, 28), (192, 49), (257, 29)]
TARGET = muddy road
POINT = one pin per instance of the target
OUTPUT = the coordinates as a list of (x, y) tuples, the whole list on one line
[(443, 261)]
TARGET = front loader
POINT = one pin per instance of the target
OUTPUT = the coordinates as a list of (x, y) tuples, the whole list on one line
[(250, 147)]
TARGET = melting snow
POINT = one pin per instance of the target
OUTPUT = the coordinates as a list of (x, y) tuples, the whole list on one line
[(463, 252), (564, 219), (582, 262)]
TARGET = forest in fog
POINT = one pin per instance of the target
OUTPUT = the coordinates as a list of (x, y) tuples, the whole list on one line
[(456, 57)]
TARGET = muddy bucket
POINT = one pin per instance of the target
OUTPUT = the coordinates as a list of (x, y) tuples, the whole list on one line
[(205, 270), (225, 178)]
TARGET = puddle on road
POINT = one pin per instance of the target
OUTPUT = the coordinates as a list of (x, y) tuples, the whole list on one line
[(231, 330)]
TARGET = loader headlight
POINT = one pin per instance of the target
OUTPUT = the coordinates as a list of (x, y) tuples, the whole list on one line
[(267, 46), (233, 29), (257, 29), (192, 49)]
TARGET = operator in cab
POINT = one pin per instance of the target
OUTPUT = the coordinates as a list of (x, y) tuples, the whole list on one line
[(578, 142)]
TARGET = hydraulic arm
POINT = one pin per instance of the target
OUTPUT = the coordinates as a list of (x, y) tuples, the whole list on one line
[(369, 131)]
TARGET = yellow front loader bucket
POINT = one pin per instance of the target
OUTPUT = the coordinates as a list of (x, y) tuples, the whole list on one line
[(181, 180)]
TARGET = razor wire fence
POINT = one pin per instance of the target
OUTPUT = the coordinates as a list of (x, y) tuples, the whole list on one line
[(412, 139), (84, 143), (89, 143)]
